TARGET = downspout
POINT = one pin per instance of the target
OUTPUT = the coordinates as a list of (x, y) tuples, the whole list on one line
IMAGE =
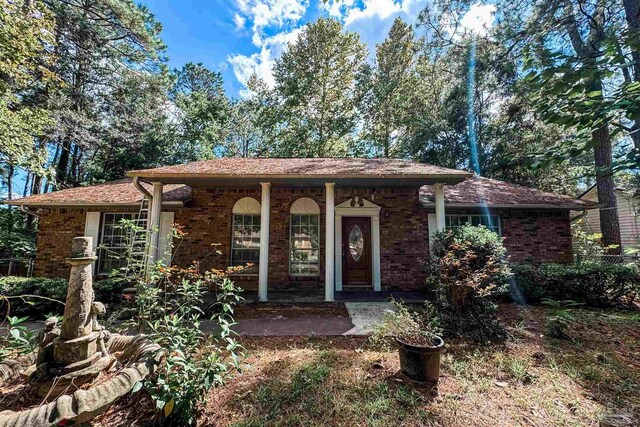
[(579, 216), (26, 210), (140, 187)]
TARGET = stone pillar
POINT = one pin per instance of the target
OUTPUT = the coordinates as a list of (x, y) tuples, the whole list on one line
[(77, 310), (330, 217), (263, 268), (77, 346), (440, 216)]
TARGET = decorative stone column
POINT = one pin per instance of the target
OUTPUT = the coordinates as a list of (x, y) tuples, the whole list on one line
[(79, 352), (76, 322)]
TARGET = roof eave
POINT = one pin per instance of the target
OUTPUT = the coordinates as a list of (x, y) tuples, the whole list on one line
[(72, 204), (512, 206), (200, 179)]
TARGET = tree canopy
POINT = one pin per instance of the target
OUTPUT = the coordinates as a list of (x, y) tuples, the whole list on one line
[(548, 97)]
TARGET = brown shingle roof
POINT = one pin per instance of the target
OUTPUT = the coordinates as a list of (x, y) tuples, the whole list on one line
[(477, 190), (301, 167), (120, 192)]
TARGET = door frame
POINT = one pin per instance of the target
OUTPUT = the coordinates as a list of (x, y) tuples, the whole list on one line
[(352, 208)]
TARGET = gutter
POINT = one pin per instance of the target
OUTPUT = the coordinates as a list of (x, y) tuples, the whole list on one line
[(511, 206), (579, 216), (140, 188), (28, 211)]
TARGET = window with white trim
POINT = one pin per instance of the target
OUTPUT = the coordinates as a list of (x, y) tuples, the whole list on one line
[(112, 252), (245, 241), (304, 238), (492, 222)]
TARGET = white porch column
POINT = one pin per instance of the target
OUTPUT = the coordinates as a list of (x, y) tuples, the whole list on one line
[(263, 271), (440, 218), (153, 222), (329, 264), (375, 251)]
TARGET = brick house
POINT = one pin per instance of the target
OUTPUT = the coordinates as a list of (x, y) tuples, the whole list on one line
[(332, 224)]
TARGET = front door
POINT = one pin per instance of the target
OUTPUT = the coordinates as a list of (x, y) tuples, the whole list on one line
[(356, 251)]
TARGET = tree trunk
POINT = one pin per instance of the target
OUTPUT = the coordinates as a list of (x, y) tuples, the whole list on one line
[(10, 171), (609, 223), (632, 12), (27, 180), (63, 164), (36, 184)]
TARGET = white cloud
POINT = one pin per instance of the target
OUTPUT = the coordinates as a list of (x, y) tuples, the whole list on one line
[(479, 19), (263, 14), (381, 9), (261, 63), (239, 21), (336, 8)]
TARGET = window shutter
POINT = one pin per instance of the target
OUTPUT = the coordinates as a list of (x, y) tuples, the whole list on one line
[(166, 222), (92, 229), (432, 226)]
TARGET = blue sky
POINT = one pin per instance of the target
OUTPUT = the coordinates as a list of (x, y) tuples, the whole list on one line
[(240, 37)]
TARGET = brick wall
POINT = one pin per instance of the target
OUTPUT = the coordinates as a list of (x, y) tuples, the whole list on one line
[(404, 241), (532, 235), (403, 234), (539, 236), (56, 230)]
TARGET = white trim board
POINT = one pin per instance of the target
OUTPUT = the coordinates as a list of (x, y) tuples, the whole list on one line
[(368, 209)]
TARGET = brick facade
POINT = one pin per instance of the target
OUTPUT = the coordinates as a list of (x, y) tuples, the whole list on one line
[(539, 235), (56, 229)]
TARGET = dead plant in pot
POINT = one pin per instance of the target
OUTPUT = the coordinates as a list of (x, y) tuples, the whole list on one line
[(416, 333)]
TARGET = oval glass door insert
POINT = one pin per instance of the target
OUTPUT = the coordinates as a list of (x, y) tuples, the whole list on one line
[(356, 242)]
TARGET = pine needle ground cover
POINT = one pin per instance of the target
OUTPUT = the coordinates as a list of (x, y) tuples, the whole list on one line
[(533, 380)]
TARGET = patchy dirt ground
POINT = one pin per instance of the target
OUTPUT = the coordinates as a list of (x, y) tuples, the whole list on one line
[(533, 380)]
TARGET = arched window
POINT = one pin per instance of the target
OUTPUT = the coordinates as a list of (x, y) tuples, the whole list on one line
[(245, 242), (304, 238)]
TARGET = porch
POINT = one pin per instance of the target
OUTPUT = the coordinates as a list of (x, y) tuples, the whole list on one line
[(343, 224)]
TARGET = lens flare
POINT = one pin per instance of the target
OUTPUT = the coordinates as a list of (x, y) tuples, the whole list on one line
[(516, 294)]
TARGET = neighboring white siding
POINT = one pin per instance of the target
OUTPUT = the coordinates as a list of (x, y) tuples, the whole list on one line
[(628, 215)]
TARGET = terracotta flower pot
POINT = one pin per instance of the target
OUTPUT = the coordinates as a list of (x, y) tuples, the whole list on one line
[(420, 362)]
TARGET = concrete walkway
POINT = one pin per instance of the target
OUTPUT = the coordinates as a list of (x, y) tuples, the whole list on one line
[(363, 318)]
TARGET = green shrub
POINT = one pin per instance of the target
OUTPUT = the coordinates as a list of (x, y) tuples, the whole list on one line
[(109, 291), (467, 269), (595, 285), (38, 294), (417, 327)]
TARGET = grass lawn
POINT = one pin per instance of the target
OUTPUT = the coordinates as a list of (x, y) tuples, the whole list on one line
[(531, 381)]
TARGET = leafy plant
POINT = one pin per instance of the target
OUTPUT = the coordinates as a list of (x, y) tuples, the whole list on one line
[(18, 340), (467, 268), (561, 317), (595, 285), (32, 296), (170, 306), (411, 326)]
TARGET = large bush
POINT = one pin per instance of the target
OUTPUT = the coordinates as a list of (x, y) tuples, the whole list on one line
[(596, 285), (467, 269), (36, 297)]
